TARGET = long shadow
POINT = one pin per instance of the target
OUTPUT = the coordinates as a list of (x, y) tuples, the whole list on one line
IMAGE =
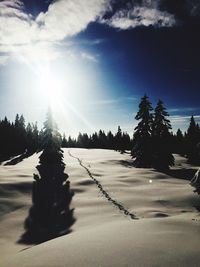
[(18, 159), (184, 174), (47, 219), (125, 163), (9, 189), (32, 238)]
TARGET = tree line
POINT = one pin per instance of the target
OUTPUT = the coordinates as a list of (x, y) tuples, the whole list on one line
[(120, 141), (151, 145)]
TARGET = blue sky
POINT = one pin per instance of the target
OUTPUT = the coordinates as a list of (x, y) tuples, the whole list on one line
[(92, 61)]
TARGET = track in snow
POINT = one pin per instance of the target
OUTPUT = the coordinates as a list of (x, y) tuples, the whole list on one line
[(105, 194)]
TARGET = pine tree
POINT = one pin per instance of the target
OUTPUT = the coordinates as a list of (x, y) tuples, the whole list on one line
[(64, 141), (50, 215), (192, 142), (142, 149), (118, 140), (110, 140), (94, 140), (102, 139), (162, 155), (180, 143), (126, 142)]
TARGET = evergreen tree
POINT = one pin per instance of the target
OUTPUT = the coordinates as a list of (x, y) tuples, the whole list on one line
[(126, 142), (110, 140), (71, 142), (192, 141), (64, 141), (102, 139), (29, 137), (162, 155), (118, 140), (180, 143), (142, 149), (94, 140), (50, 215)]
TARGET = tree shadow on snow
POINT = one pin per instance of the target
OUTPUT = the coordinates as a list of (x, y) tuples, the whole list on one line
[(19, 158), (125, 163), (184, 174), (39, 235)]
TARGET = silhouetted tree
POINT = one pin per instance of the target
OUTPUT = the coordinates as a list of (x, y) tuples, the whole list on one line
[(102, 139), (118, 140), (94, 140), (126, 142), (50, 215), (162, 154), (72, 142), (192, 141), (32, 138), (179, 143), (64, 141), (142, 145), (110, 140)]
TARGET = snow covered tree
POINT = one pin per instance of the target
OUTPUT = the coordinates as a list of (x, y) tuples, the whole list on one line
[(50, 214), (142, 146), (162, 155)]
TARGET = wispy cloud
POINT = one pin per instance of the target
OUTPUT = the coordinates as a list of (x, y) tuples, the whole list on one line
[(183, 119), (114, 101), (183, 109), (89, 57), (140, 16)]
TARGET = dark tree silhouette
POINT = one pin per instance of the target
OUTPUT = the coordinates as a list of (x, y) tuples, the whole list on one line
[(102, 139), (95, 140), (17, 138), (126, 142), (162, 155), (64, 141), (180, 146), (142, 146), (50, 214), (110, 140), (192, 142), (118, 140)]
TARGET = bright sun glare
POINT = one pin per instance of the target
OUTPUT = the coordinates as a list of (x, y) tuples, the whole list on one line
[(51, 87)]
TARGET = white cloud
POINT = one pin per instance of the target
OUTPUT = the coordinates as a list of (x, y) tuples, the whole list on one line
[(140, 16), (67, 18), (183, 109), (36, 38), (114, 100), (89, 57), (183, 119)]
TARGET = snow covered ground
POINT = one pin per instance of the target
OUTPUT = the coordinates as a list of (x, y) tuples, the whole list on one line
[(124, 216)]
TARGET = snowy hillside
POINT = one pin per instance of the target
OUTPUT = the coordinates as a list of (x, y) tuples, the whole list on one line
[(124, 216)]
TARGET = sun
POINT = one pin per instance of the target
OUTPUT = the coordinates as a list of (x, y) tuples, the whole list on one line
[(51, 87)]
